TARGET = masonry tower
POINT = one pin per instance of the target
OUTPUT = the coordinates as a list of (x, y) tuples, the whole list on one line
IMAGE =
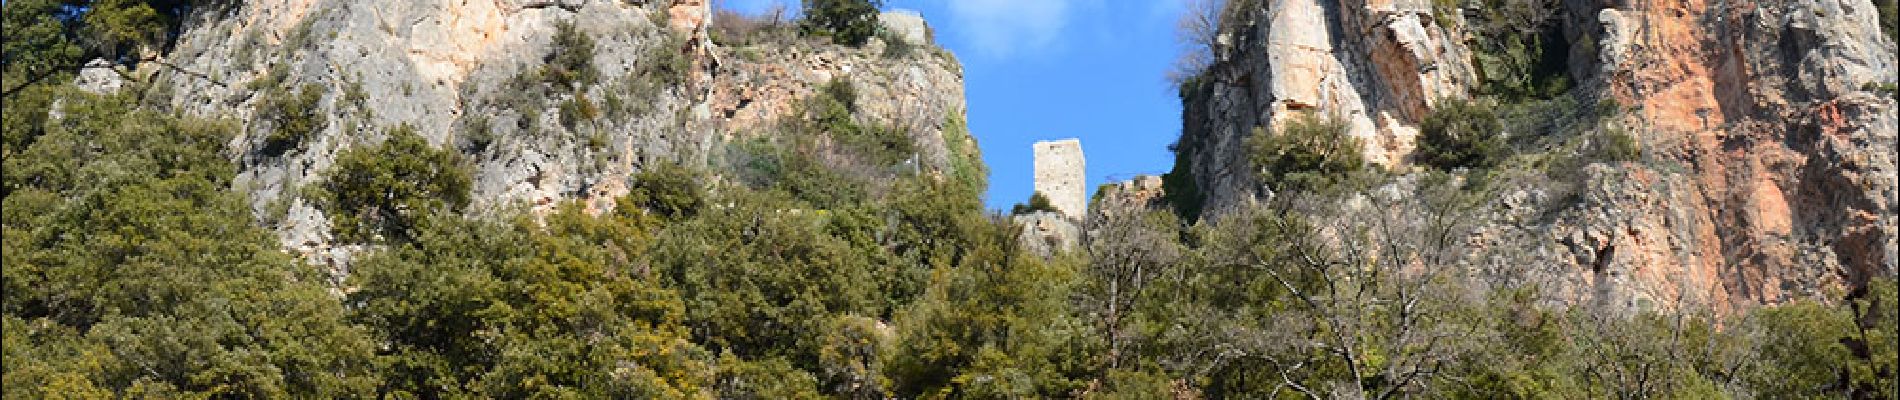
[(1061, 176)]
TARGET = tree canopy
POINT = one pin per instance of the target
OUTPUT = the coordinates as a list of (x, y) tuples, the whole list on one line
[(801, 263), (848, 22)]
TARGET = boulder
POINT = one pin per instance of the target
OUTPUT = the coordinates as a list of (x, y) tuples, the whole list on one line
[(907, 25)]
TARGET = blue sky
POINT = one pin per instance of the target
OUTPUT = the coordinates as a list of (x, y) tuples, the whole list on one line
[(1053, 69)]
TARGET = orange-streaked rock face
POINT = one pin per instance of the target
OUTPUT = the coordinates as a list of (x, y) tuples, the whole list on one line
[(1748, 96), (1768, 172), (689, 16)]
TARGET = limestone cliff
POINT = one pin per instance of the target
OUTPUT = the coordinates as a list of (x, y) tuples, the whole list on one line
[(462, 73), (1377, 64), (1768, 170), (1782, 160)]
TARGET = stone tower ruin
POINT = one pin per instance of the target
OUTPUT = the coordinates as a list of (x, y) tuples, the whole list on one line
[(1061, 176)]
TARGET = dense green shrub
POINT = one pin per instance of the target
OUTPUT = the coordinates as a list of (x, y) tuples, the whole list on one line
[(1037, 203), (38, 46), (993, 325), (896, 47), (510, 309), (1803, 349), (670, 190), (1461, 134), (850, 358), (570, 65), (380, 193), (772, 378), (796, 170), (827, 158), (1617, 145), (832, 113), (1445, 12), (1874, 368), (966, 160), (295, 116), (734, 266), (578, 110), (1309, 152), (1178, 187), (131, 269), (49, 40), (847, 22), (25, 114), (1520, 49)]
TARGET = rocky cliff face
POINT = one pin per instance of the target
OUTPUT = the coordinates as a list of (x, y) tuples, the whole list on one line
[(1377, 64), (464, 74), (1787, 169), (1768, 171)]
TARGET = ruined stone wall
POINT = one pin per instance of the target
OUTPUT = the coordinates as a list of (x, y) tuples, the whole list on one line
[(1061, 176)]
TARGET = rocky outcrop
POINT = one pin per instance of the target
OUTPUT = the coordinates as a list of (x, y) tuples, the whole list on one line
[(1047, 234), (1786, 183), (1141, 194), (1378, 65), (920, 92), (1768, 172), (906, 25), (465, 75)]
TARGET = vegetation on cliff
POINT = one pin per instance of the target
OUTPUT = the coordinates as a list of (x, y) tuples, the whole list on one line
[(816, 261), (848, 22), (133, 268)]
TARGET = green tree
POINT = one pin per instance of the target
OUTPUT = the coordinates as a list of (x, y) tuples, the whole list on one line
[(38, 47), (117, 28), (295, 117), (488, 308), (768, 379), (1529, 352), (570, 66), (380, 193), (831, 113), (670, 190), (131, 269), (1461, 134), (1130, 252), (48, 40), (761, 278), (997, 324), (1803, 351), (848, 22), (850, 358), (1309, 152), (1875, 369), (1037, 203)]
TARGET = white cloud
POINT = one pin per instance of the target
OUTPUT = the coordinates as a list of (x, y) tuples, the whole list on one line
[(1003, 27)]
